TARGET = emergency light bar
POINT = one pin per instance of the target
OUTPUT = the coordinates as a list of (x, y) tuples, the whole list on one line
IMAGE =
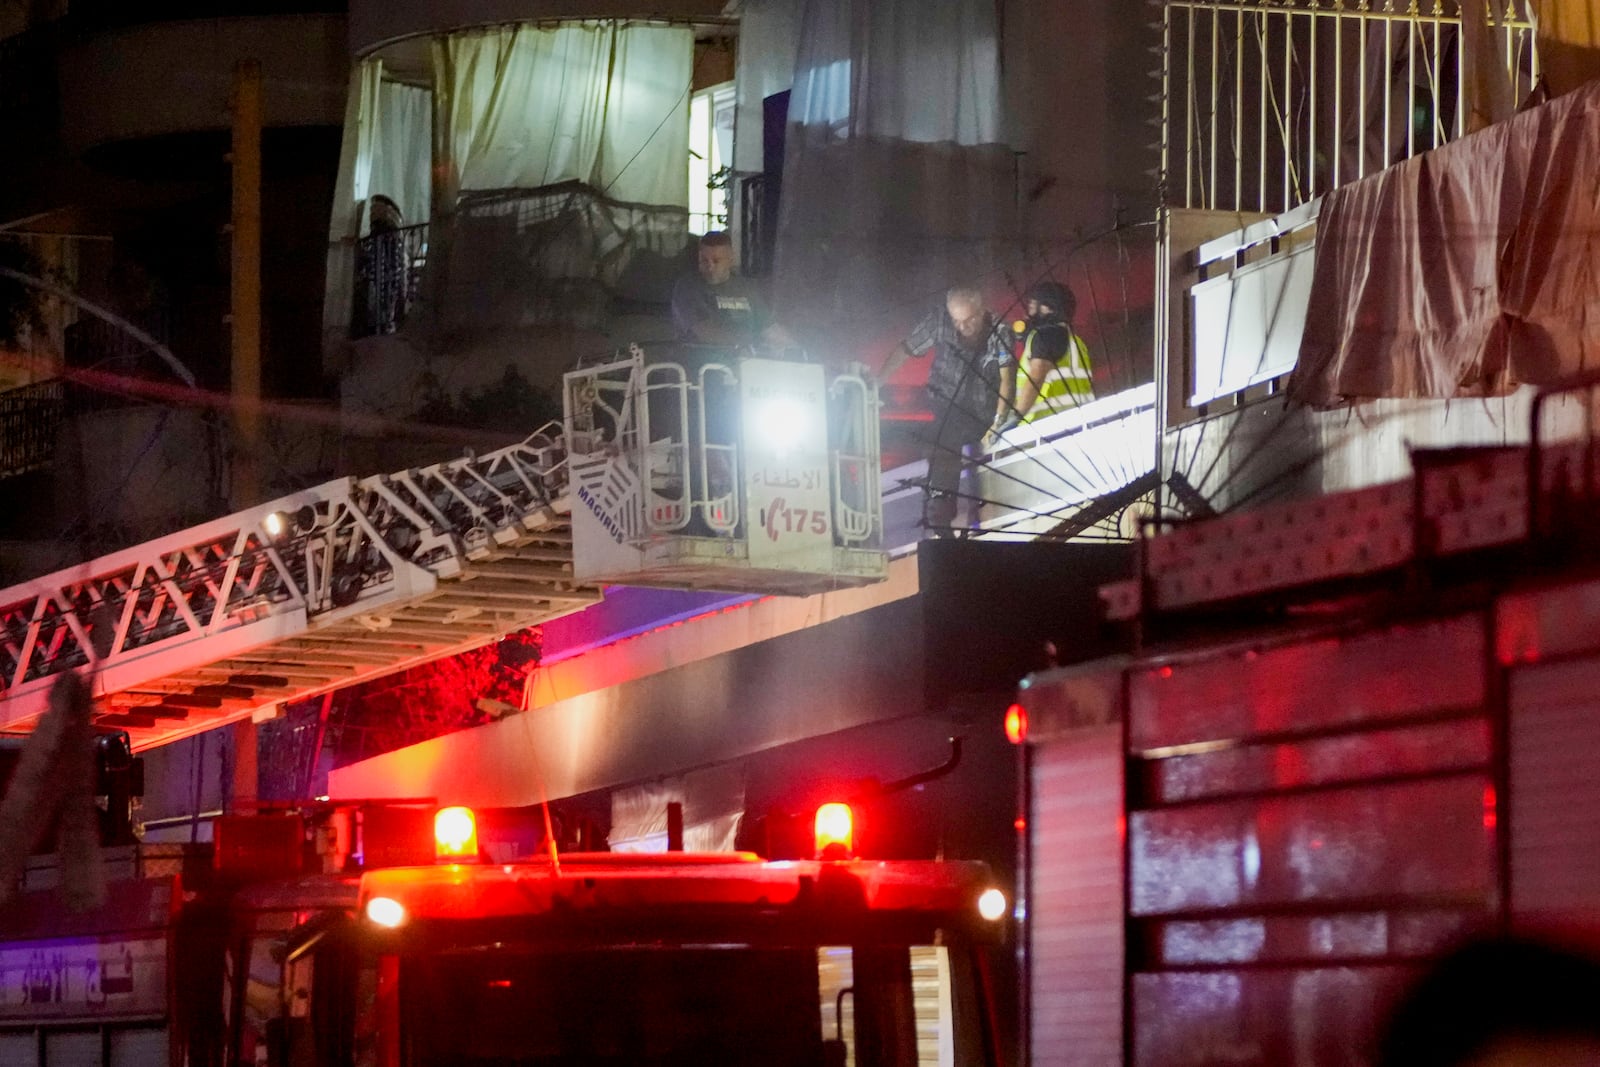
[(455, 835), (835, 832), (1016, 724)]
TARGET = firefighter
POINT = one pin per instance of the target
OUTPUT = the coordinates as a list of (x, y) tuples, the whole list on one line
[(970, 355), (1053, 370)]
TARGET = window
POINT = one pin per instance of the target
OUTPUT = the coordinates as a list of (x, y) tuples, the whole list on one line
[(710, 156), (651, 1005)]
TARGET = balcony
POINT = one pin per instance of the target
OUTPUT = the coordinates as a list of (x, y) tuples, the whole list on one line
[(1312, 351), (1272, 105)]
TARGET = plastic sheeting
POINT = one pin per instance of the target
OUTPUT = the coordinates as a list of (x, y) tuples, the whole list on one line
[(1569, 42), (1463, 272), (713, 807)]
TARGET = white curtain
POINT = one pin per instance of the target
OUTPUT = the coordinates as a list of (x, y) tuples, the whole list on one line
[(386, 149), (896, 183), (769, 38), (603, 103), (561, 157), (402, 151)]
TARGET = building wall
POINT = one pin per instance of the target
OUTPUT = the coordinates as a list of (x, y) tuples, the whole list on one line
[(177, 76), (1082, 83), (129, 149)]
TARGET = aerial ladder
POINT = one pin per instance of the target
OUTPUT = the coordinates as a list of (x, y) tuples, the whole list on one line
[(679, 467)]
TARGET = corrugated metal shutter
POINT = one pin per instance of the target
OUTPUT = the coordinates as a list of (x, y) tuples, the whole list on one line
[(1076, 911), (145, 1047), (20, 1048), (1555, 793), (1306, 823)]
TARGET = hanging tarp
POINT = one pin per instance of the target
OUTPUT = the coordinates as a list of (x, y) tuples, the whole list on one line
[(1465, 271), (1569, 42)]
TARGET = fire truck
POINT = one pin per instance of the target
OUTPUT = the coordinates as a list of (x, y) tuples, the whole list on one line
[(679, 466), (1353, 730), (379, 934)]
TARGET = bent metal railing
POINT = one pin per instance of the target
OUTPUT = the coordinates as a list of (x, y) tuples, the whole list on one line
[(388, 278), (1270, 104)]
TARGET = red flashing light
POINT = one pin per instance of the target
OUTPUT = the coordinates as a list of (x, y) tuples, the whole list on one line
[(455, 835), (1491, 809), (835, 832), (1016, 724)]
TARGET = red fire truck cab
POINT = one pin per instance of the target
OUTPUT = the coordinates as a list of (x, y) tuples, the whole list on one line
[(594, 959)]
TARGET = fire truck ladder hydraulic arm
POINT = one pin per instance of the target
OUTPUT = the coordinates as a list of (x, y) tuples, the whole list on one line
[(713, 470), (350, 579)]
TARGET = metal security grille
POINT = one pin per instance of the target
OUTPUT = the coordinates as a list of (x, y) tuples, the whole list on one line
[(1268, 105), (28, 420)]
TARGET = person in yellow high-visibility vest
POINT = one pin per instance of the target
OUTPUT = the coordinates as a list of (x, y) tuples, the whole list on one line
[(1053, 369)]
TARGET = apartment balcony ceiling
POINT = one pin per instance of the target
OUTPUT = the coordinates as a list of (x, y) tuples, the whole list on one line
[(375, 23)]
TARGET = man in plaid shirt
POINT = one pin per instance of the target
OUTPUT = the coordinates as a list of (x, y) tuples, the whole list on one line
[(971, 358)]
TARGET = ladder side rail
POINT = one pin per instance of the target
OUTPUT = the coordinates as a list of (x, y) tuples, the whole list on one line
[(141, 577), (240, 583), (230, 575), (721, 513), (406, 479), (863, 524), (432, 533), (439, 475), (532, 466), (675, 507)]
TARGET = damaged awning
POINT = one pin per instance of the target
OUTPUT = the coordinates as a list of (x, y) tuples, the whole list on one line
[(1466, 271)]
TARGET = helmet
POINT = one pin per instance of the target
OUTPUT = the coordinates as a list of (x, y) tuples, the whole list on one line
[(1055, 296)]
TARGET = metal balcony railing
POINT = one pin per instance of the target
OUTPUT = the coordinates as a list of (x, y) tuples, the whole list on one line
[(29, 416), (108, 356), (1269, 105), (388, 278)]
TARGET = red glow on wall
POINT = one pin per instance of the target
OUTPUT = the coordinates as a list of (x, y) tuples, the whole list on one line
[(1491, 810)]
